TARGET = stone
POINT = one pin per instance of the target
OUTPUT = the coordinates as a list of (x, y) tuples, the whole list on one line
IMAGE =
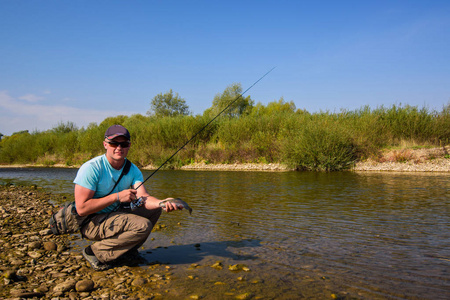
[(34, 254), (86, 285), (139, 281), (45, 232), (16, 262), (50, 246), (34, 245), (65, 286), (244, 296)]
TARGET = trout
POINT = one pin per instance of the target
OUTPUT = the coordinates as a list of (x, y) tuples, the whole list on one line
[(178, 202)]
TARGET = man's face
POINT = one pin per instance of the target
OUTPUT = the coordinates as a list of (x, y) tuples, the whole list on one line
[(116, 148)]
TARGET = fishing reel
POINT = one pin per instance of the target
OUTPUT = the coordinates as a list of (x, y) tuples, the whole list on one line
[(137, 203)]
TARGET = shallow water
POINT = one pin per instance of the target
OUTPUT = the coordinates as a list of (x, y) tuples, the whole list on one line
[(302, 235)]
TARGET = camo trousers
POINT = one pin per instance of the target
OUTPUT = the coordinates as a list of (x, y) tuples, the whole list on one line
[(118, 232)]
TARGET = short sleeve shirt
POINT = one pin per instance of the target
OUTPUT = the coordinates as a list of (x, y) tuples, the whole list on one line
[(98, 175)]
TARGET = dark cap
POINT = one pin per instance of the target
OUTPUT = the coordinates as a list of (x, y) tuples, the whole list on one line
[(115, 131)]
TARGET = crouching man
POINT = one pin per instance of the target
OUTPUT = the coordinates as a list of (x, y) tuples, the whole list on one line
[(104, 194)]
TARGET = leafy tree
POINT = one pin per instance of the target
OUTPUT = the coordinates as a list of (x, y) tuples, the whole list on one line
[(168, 105), (240, 106), (20, 132), (279, 106), (65, 127)]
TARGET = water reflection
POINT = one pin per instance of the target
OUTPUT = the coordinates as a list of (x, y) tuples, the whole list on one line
[(376, 235), (195, 253)]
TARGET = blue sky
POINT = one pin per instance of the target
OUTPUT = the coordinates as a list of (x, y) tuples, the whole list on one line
[(83, 61)]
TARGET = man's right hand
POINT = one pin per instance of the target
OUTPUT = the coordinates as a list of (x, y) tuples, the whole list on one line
[(127, 196)]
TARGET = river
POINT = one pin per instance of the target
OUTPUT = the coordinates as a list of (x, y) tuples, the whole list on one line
[(298, 234)]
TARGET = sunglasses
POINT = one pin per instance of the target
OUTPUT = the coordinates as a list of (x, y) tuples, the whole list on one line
[(121, 144)]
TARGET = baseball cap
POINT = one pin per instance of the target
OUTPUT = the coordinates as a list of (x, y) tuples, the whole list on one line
[(115, 131)]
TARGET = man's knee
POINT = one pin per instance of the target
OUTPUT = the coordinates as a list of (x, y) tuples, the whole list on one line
[(142, 226)]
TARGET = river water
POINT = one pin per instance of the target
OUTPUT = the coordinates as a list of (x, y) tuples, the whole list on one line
[(300, 234)]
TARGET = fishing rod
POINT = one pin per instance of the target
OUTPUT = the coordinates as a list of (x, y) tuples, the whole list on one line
[(203, 128)]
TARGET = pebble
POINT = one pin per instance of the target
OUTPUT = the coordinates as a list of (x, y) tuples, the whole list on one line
[(84, 285), (65, 286), (50, 246), (34, 245)]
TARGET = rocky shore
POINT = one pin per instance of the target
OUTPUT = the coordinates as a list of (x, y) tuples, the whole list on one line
[(37, 264)]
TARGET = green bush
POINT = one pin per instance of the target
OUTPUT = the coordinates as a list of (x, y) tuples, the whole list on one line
[(319, 145)]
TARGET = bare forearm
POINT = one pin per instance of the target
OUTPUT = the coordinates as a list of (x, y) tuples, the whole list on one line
[(87, 205), (91, 206), (151, 202)]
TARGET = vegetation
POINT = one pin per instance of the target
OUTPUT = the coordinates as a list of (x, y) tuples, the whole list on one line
[(168, 105), (247, 133), (230, 103)]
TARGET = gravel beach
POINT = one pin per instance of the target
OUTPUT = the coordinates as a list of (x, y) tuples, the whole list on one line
[(37, 264)]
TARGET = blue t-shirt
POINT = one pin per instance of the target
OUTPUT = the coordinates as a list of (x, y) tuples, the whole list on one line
[(98, 175)]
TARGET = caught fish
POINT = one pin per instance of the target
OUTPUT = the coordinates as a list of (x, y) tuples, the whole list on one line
[(178, 202)]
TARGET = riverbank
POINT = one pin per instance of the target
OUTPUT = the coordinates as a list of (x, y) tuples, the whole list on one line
[(403, 160), (409, 160), (37, 264)]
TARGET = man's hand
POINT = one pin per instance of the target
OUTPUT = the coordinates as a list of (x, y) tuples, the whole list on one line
[(169, 206), (127, 196)]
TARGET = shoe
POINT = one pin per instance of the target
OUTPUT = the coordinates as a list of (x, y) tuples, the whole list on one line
[(94, 262)]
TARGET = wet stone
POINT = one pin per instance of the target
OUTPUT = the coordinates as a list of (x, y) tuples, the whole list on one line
[(139, 281)]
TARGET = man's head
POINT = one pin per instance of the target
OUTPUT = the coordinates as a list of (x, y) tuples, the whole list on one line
[(115, 131), (117, 143)]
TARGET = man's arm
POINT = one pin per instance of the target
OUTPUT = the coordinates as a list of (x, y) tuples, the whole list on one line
[(152, 202), (86, 205)]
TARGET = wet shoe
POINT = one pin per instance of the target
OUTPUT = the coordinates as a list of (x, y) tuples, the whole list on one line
[(94, 262)]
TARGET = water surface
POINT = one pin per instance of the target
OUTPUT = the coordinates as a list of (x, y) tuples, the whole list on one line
[(302, 235)]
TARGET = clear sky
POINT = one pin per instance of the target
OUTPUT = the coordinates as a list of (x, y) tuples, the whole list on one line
[(83, 61)]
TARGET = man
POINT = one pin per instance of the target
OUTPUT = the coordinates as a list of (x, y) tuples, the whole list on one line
[(117, 230)]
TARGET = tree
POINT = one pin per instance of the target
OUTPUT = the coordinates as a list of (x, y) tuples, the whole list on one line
[(168, 105), (65, 127), (240, 106), (20, 132), (279, 106)]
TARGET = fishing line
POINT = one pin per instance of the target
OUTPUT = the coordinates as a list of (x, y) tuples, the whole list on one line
[(203, 128)]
